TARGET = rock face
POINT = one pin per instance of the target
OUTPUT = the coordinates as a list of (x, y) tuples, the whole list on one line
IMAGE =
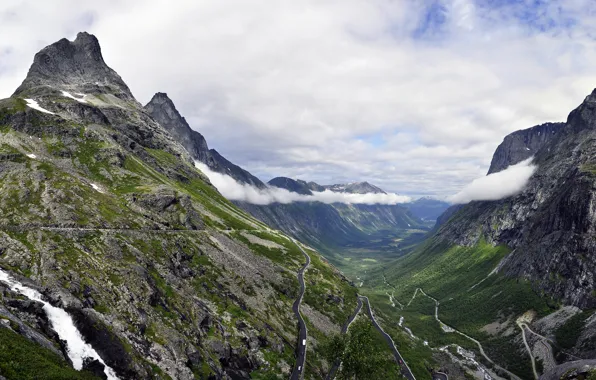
[(105, 208), (523, 144), (220, 164), (76, 65), (550, 225), (162, 109)]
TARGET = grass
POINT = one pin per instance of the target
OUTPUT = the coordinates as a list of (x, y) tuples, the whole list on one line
[(568, 334), (469, 300), (21, 359)]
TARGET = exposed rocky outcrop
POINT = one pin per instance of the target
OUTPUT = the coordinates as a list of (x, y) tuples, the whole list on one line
[(76, 66), (522, 144), (162, 109)]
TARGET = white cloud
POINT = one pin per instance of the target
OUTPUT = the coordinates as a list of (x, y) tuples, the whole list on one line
[(236, 191), (288, 88), (498, 185)]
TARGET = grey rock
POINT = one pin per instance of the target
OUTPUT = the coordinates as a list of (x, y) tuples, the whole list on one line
[(95, 367), (74, 65), (522, 144), (163, 110)]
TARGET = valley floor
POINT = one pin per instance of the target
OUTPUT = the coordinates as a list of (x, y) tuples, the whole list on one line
[(455, 314)]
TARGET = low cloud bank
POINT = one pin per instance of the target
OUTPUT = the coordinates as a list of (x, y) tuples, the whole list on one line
[(498, 185), (235, 191)]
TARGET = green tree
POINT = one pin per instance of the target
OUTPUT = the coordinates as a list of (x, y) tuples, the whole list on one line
[(363, 354)]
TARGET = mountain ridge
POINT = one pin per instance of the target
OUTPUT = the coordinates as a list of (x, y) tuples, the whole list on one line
[(162, 108)]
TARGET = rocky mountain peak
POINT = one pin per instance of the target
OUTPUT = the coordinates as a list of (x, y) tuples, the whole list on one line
[(161, 98), (73, 66), (163, 110)]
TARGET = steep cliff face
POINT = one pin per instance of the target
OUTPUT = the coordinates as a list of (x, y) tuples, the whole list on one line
[(162, 109), (104, 213), (523, 144), (550, 225)]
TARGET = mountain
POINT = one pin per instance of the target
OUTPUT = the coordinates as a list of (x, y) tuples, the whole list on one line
[(355, 188), (295, 186), (427, 208), (162, 109), (334, 227), (104, 216), (523, 264)]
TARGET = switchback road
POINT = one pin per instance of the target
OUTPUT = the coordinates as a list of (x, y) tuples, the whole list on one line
[(344, 330), (298, 372), (405, 370)]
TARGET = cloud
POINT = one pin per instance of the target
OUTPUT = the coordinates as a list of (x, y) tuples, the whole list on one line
[(497, 185), (289, 88), (236, 191)]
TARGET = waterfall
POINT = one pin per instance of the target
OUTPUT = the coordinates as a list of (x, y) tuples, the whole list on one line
[(76, 348)]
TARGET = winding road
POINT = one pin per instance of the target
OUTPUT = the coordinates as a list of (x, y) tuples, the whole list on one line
[(446, 328), (523, 331), (405, 370), (344, 330), (298, 372)]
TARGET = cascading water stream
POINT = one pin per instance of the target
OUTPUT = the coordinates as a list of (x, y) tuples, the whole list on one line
[(76, 348)]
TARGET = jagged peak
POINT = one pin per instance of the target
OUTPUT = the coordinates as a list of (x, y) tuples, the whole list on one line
[(77, 64), (163, 109), (161, 98)]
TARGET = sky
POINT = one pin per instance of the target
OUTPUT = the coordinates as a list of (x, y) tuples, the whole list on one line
[(410, 95)]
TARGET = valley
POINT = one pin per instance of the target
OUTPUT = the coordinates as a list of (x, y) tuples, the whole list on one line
[(130, 249)]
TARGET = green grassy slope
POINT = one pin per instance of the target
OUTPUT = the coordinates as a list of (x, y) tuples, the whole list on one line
[(458, 277)]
